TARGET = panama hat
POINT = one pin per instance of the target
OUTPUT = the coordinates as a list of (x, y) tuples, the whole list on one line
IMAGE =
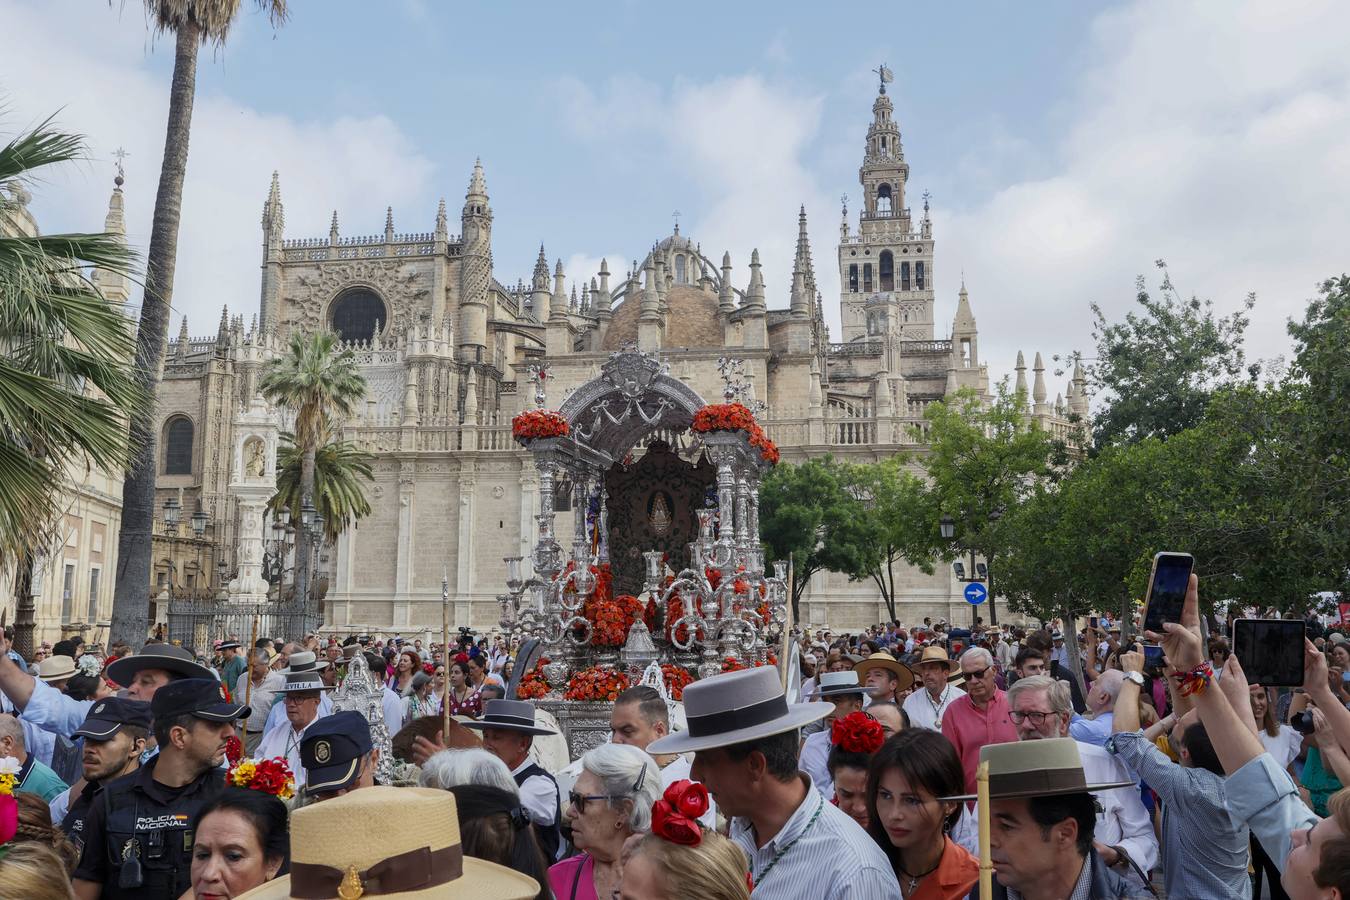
[(883, 660), (174, 660), (302, 681), (735, 707), (514, 715), (834, 684), (1036, 769), (394, 843), (935, 654), (305, 661), (56, 668)]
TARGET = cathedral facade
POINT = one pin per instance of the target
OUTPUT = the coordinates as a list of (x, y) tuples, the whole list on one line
[(447, 348)]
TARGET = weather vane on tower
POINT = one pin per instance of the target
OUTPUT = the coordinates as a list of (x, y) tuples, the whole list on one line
[(885, 74)]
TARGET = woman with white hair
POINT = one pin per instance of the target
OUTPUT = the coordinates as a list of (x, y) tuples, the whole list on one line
[(451, 768), (610, 802)]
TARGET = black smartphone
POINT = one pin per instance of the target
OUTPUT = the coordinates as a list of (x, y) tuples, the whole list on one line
[(1092, 622), (1167, 585), (1270, 650), (1153, 655)]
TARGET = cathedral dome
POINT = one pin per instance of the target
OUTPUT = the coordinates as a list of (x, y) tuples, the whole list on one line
[(691, 322)]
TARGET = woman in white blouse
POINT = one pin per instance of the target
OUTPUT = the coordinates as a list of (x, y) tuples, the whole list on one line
[(1280, 741)]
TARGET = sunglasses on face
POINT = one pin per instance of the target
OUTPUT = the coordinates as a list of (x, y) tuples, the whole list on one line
[(579, 801), (977, 674)]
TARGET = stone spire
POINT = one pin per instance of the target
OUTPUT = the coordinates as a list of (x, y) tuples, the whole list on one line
[(442, 223), (603, 299), (539, 290), (477, 192), (223, 330), (558, 307), (274, 213), (1038, 392), (333, 229), (1078, 403), (115, 287), (475, 271), (803, 279), (1021, 367), (388, 224), (183, 341), (726, 298), (754, 293)]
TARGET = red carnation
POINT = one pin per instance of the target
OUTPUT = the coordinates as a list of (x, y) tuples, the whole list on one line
[(668, 823), (689, 797), (857, 732)]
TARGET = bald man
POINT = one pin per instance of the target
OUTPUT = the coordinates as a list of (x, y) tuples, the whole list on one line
[(1101, 700)]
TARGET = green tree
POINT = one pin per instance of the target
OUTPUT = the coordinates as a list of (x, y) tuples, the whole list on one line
[(341, 470), (66, 380), (983, 461), (318, 383), (893, 518), (193, 23), (1155, 371), (801, 507)]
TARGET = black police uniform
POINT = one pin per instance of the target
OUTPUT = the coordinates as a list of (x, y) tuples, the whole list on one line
[(136, 823)]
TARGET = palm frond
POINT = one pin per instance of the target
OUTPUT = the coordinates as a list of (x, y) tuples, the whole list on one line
[(212, 18), (341, 471)]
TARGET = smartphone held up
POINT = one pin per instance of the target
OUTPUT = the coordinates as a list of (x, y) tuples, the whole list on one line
[(1167, 585)]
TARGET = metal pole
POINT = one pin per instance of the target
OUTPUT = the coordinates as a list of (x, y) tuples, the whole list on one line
[(248, 674), (986, 859), (445, 652)]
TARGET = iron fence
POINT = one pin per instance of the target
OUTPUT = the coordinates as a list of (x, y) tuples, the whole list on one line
[(197, 624)]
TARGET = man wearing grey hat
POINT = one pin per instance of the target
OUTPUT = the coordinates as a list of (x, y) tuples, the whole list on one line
[(743, 734), (300, 698), (509, 729), (305, 661)]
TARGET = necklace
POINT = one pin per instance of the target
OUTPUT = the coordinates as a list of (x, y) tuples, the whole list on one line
[(790, 844), (937, 707), (915, 879)]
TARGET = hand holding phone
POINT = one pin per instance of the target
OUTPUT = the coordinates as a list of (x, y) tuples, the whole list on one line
[(1270, 651), (1167, 585)]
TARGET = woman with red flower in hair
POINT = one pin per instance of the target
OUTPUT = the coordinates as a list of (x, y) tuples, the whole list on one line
[(908, 822), (681, 859), (853, 740)]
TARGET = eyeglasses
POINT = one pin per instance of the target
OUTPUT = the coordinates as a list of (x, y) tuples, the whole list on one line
[(979, 674), (1037, 718), (579, 801)]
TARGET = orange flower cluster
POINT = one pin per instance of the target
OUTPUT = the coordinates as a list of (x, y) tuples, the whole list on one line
[(611, 619), (736, 417), (596, 683), (676, 678), (674, 610), (534, 685), (731, 664), (534, 424)]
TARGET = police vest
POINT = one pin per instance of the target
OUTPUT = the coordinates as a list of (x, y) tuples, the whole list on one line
[(550, 837), (149, 844)]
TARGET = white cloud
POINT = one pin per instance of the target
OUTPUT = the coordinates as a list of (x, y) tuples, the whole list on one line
[(1210, 135), (115, 90)]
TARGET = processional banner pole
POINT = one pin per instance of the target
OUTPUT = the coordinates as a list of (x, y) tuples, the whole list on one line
[(986, 860), (784, 664), (248, 673), (445, 652)]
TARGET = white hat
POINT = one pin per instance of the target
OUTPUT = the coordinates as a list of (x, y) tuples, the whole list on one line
[(735, 707), (832, 684)]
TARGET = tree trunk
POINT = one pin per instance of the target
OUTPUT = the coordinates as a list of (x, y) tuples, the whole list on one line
[(23, 605), (889, 593), (1071, 644), (134, 550), (989, 583), (302, 550)]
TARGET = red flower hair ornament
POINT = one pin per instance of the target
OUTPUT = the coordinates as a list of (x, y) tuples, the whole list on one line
[(675, 815), (857, 732)]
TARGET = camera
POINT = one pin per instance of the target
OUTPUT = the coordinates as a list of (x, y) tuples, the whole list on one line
[(1302, 722)]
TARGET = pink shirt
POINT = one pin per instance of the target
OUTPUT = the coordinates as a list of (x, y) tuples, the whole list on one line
[(969, 729), (575, 870)]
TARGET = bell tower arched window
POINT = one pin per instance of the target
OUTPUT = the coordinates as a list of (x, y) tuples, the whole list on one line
[(681, 272), (918, 275), (853, 278), (178, 446), (884, 200), (904, 275), (867, 278), (886, 269)]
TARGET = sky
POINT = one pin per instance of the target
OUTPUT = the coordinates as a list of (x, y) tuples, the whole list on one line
[(1067, 145)]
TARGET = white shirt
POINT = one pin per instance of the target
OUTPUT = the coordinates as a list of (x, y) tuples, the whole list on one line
[(549, 750), (1284, 746), (814, 761), (261, 699), (59, 806), (391, 705), (278, 713), (922, 712), (284, 741), (825, 855), (538, 795)]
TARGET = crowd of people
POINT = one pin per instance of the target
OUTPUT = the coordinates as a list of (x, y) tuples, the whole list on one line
[(851, 772)]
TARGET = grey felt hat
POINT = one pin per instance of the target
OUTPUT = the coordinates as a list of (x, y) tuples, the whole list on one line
[(735, 707)]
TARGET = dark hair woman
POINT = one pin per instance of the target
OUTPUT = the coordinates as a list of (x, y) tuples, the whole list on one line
[(908, 821), (495, 827), (241, 840)]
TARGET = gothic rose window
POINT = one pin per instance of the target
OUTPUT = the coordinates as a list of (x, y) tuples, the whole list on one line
[(357, 314)]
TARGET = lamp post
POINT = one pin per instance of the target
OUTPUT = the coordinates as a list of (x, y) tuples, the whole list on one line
[(978, 570), (198, 520)]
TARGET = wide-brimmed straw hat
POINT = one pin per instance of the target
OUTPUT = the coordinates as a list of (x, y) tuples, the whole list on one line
[(1036, 769), (513, 715), (389, 843), (56, 668), (884, 660), (934, 653), (302, 681), (833, 684), (736, 707), (174, 660)]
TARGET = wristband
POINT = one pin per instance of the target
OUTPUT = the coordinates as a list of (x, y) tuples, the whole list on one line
[(1196, 680)]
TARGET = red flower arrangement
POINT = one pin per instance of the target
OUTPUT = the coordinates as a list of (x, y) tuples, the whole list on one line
[(611, 619), (675, 815), (534, 424), (271, 776), (234, 750), (534, 685), (857, 732), (723, 417), (676, 678), (596, 683), (732, 664), (674, 611)]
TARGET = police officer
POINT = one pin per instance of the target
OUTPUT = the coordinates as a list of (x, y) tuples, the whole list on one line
[(114, 732), (137, 837), (338, 755)]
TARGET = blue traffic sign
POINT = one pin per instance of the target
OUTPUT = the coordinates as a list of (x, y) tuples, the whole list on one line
[(976, 593)]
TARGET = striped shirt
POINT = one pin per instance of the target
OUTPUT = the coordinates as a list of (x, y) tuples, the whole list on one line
[(819, 854)]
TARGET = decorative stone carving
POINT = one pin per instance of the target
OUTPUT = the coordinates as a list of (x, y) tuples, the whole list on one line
[(397, 284)]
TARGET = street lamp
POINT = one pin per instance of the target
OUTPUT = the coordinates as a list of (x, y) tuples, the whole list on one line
[(199, 520), (316, 524), (172, 509), (948, 527), (306, 512), (222, 571)]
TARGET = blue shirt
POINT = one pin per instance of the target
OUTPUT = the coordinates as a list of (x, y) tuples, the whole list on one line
[(1262, 795), (54, 711), (1092, 731)]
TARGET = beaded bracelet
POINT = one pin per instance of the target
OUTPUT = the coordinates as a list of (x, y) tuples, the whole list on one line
[(1196, 680)]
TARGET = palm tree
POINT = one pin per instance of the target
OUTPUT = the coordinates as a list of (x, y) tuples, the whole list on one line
[(339, 495), (193, 23), (319, 383), (67, 385)]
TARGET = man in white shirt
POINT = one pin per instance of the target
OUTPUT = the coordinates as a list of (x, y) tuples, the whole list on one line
[(305, 661), (300, 694), (842, 690), (926, 707), (508, 730), (1124, 838)]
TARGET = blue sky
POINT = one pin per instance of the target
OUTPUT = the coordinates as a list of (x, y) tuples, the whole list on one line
[(1067, 145)]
